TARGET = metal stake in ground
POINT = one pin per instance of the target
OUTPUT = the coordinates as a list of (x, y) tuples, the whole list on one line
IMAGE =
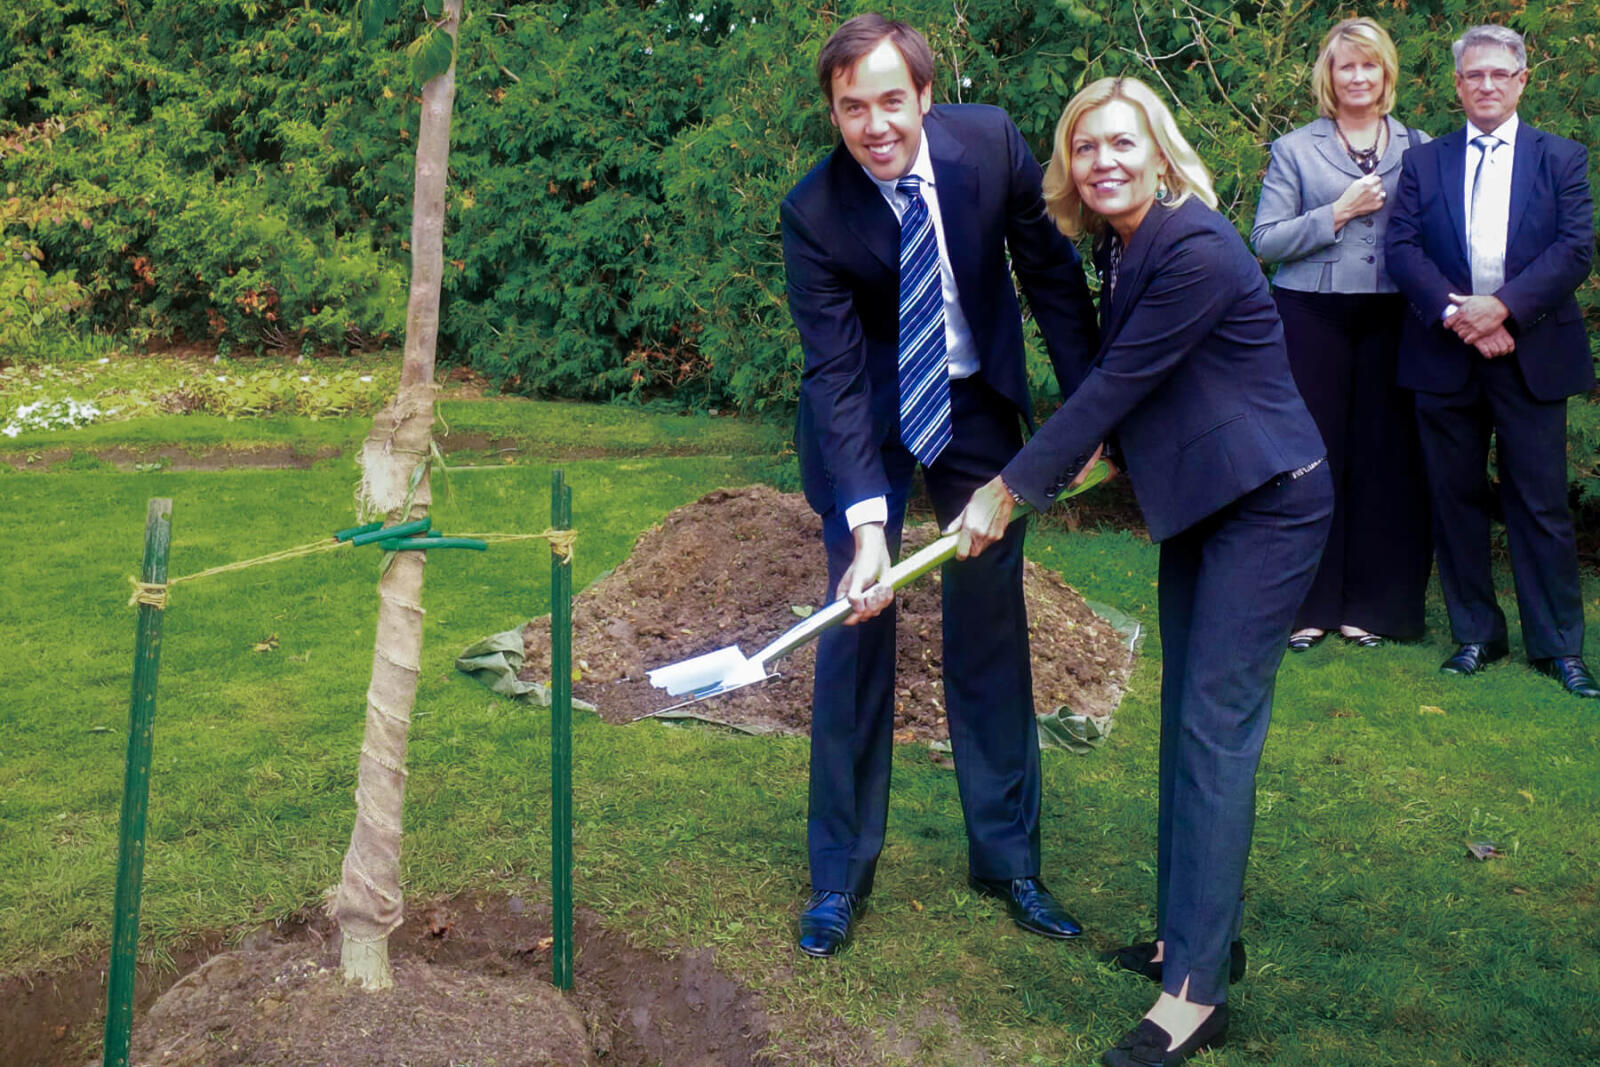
[(136, 790), (561, 738)]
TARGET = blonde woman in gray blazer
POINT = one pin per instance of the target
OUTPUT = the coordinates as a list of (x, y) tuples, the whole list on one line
[(1323, 212)]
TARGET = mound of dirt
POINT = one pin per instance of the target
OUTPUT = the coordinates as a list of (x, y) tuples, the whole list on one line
[(282, 1006), (471, 986), (733, 568)]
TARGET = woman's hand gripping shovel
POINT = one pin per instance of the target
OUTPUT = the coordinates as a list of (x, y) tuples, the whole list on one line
[(728, 669)]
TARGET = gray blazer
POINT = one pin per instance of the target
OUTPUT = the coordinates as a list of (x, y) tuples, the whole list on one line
[(1294, 220)]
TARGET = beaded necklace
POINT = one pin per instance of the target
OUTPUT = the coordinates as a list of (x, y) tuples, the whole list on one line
[(1365, 158)]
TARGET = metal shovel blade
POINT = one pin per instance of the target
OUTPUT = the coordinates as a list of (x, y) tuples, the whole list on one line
[(726, 669), (700, 672)]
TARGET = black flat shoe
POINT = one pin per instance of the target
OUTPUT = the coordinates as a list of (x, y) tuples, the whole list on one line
[(1300, 642), (1365, 640), (1140, 958), (1031, 906), (1571, 672), (1146, 1044), (1474, 657), (827, 922)]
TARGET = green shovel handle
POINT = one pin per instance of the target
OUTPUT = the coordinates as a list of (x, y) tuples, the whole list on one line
[(906, 571)]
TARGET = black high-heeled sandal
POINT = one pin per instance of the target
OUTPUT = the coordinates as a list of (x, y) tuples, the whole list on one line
[(1299, 642)]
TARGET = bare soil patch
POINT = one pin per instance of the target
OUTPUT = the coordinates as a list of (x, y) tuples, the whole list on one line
[(732, 567), (472, 978), (169, 457)]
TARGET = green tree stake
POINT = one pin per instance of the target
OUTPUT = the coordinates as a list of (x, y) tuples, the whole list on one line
[(136, 791), (561, 739)]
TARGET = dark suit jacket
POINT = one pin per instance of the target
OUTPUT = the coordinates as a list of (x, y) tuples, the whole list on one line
[(1191, 378), (1548, 251), (841, 248)]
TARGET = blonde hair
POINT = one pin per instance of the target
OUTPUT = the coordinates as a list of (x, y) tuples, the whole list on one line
[(1186, 176), (1371, 41)]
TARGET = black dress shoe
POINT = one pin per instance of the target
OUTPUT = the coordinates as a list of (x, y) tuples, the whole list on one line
[(826, 923), (1140, 958), (1031, 906), (1571, 672), (1146, 1044), (1473, 657)]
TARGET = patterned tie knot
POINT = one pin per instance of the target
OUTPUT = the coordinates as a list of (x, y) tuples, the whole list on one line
[(910, 186), (1487, 143)]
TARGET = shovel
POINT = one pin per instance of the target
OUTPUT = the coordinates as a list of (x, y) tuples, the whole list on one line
[(728, 669)]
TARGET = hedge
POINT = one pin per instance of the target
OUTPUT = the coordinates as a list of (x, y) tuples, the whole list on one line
[(239, 170)]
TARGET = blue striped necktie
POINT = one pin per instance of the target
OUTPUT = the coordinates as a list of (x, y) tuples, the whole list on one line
[(924, 377)]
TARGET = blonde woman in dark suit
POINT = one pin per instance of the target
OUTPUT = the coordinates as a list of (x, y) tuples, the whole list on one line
[(1191, 382), (1323, 215)]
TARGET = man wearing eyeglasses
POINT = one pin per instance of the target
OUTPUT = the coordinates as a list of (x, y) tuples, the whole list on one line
[(1492, 234)]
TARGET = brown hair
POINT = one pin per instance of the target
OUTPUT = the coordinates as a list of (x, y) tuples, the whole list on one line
[(852, 41)]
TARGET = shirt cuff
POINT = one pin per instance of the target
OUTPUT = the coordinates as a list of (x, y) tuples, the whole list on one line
[(873, 509)]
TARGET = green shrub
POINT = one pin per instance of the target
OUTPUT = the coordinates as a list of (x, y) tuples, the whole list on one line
[(241, 171)]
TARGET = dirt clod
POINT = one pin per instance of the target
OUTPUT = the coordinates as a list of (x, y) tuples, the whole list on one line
[(739, 566)]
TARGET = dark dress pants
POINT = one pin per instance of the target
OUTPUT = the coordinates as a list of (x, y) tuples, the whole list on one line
[(1531, 456), (1343, 350), (987, 676), (1229, 588)]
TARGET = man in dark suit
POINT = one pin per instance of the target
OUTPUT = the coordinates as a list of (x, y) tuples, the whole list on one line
[(896, 253), (1491, 235)]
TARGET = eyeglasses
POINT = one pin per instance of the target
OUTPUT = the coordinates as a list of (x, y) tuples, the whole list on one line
[(1489, 77)]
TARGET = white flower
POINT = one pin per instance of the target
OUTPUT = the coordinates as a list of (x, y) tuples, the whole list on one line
[(51, 415), (966, 83), (305, 377), (222, 377), (103, 359), (366, 377)]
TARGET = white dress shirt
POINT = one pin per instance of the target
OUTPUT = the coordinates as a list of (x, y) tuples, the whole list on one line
[(961, 355)]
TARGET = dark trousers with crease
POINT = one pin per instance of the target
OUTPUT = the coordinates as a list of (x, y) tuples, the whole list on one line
[(987, 675), (1229, 588), (1531, 456), (1343, 350)]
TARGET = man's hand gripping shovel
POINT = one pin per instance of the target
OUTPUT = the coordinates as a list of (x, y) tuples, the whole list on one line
[(728, 669)]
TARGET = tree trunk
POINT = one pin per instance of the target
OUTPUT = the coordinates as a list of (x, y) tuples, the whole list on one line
[(368, 902)]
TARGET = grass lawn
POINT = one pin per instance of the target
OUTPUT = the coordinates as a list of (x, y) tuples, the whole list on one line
[(1374, 937)]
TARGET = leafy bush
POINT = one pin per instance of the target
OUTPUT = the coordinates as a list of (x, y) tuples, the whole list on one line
[(241, 170), (33, 302)]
